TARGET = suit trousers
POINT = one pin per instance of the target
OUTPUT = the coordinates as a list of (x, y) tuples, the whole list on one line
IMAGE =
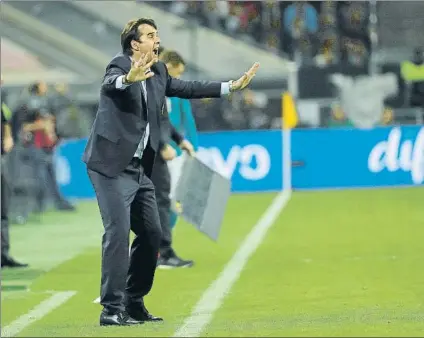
[(161, 179), (5, 197), (127, 202)]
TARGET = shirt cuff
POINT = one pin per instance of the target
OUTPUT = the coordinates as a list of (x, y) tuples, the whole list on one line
[(225, 88), (119, 83)]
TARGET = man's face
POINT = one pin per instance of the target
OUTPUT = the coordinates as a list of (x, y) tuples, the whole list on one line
[(175, 71), (149, 41)]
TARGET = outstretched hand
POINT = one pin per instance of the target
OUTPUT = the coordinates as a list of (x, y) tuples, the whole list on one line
[(244, 81), (140, 69)]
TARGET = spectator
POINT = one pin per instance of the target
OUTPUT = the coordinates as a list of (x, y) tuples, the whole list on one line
[(354, 35), (328, 52), (271, 25), (413, 74), (245, 110), (36, 125), (217, 13), (300, 18), (29, 130), (301, 23), (208, 114)]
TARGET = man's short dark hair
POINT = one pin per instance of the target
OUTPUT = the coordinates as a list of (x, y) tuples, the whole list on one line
[(172, 57), (131, 32)]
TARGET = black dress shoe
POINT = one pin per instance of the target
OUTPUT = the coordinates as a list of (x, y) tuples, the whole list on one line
[(141, 314), (9, 262), (119, 319), (174, 262), (169, 260)]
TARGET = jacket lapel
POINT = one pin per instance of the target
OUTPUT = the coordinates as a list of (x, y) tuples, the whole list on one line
[(127, 68), (152, 105)]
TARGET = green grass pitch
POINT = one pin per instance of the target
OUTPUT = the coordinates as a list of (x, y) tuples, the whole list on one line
[(335, 263)]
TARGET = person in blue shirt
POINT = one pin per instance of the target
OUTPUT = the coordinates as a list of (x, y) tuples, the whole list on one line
[(182, 123), (181, 117)]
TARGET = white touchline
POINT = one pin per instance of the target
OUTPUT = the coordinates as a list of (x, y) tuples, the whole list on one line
[(36, 313), (213, 297)]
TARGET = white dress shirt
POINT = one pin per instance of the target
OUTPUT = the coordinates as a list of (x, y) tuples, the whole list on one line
[(143, 143)]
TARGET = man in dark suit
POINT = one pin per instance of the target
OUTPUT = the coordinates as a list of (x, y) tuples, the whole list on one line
[(119, 155)]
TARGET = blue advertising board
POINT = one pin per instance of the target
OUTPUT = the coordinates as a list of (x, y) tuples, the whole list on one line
[(323, 158), (353, 158), (252, 159)]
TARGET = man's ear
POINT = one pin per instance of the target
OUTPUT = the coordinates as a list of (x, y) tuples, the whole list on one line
[(134, 45)]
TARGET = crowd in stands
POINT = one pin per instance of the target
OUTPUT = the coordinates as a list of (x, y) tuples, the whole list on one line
[(240, 111), (312, 32)]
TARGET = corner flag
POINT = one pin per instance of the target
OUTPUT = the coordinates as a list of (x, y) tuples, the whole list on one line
[(288, 111)]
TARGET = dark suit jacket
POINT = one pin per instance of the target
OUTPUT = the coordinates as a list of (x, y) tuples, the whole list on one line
[(121, 117), (169, 132)]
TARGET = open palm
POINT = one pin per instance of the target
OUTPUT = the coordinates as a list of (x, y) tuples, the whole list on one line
[(244, 81), (140, 69)]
